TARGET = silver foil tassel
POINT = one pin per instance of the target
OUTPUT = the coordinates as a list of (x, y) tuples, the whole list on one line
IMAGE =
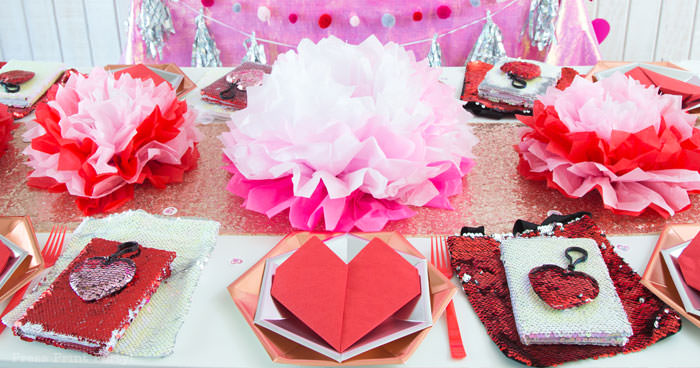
[(489, 45), (541, 22), (435, 53), (254, 51), (155, 23), (204, 51)]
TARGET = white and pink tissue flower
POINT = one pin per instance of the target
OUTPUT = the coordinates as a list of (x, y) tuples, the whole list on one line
[(353, 134)]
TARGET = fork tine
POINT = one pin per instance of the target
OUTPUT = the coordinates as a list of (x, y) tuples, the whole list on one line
[(59, 246), (49, 241), (432, 250), (446, 253), (441, 246)]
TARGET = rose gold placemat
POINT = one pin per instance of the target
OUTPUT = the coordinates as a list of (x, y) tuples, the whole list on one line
[(19, 230), (656, 276), (605, 65)]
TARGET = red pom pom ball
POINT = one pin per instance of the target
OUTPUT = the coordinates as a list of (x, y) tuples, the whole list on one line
[(417, 16), (324, 21), (293, 18), (207, 3), (443, 11)]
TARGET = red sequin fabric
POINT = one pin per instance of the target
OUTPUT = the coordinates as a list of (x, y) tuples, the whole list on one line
[(561, 288), (476, 259), (7, 125), (474, 75), (61, 318)]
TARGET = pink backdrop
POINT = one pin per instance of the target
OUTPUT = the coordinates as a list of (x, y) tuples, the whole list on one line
[(576, 46)]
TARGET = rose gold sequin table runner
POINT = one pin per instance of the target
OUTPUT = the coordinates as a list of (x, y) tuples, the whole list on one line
[(493, 195)]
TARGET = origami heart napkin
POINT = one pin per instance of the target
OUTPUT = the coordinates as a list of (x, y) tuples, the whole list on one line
[(689, 263), (343, 302), (142, 72), (5, 255), (689, 92)]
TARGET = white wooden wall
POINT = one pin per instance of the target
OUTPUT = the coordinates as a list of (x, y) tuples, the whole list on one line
[(93, 32), (77, 32)]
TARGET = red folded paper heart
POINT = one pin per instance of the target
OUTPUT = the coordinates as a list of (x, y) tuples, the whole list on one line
[(343, 302), (561, 288), (689, 93), (5, 255), (689, 263), (142, 72)]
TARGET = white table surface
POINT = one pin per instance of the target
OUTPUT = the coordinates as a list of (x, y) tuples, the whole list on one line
[(215, 334)]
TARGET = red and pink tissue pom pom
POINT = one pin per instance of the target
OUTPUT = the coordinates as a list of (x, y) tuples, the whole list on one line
[(97, 146), (637, 148)]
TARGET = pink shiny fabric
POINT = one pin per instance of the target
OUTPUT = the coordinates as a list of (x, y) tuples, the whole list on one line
[(577, 44)]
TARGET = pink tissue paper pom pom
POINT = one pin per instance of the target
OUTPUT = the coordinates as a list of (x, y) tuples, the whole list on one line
[(351, 134)]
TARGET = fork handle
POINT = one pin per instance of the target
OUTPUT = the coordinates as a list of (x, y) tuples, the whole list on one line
[(16, 299), (456, 346)]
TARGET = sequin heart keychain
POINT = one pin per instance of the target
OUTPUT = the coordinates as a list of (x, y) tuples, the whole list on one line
[(12, 79), (520, 72), (98, 277), (563, 288), (241, 80)]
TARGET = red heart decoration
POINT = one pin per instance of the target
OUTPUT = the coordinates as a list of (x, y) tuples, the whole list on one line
[(343, 302), (95, 279), (16, 76), (689, 263), (522, 69), (561, 288)]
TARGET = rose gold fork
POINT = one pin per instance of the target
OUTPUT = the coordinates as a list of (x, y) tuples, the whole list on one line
[(439, 257), (52, 249)]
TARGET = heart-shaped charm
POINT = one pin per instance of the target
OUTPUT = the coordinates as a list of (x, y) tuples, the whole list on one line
[(240, 80), (12, 79), (522, 69), (98, 277), (563, 288), (245, 78)]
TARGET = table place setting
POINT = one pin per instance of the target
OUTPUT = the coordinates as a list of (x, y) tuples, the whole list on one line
[(123, 266), (393, 293)]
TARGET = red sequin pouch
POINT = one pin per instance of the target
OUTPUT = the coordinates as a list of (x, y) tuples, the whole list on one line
[(476, 259)]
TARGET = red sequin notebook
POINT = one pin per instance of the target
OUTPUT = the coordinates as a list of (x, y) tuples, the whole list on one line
[(61, 318)]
